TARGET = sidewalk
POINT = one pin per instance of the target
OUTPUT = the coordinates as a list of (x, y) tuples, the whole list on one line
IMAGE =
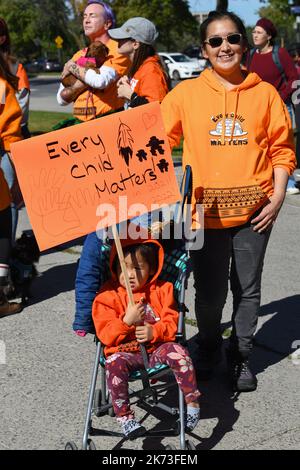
[(45, 380)]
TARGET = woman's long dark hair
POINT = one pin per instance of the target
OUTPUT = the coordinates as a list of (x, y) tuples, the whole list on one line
[(6, 74), (140, 55)]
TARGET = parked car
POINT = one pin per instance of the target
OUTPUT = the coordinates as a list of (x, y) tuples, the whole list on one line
[(34, 66), (52, 65), (180, 65), (194, 52), (43, 65)]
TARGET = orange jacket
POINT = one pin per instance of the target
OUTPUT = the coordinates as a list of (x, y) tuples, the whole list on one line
[(149, 81), (233, 140), (101, 101), (110, 305), (10, 116)]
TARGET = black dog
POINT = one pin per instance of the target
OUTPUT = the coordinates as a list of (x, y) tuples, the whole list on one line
[(22, 269)]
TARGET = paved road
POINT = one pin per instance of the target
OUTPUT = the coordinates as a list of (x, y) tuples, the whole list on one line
[(43, 95)]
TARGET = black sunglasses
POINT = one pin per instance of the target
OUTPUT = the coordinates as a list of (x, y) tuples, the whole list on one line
[(216, 41)]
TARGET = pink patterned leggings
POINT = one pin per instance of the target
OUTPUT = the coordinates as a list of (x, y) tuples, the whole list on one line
[(119, 366)]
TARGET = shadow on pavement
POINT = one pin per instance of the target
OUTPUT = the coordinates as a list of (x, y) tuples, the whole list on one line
[(273, 341), (54, 281)]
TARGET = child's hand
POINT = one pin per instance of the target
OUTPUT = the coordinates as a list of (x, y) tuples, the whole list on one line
[(144, 333), (134, 313)]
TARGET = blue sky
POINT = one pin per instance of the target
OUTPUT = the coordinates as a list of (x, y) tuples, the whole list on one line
[(246, 9)]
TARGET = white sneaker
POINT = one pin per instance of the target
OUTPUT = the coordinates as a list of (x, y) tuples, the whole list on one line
[(132, 428), (293, 190)]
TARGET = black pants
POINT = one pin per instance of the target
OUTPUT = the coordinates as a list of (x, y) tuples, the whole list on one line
[(5, 235), (236, 253)]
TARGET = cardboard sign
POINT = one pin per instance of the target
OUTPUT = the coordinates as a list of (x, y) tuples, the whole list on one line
[(70, 177)]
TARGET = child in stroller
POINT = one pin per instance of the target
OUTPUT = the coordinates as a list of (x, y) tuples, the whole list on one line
[(152, 321)]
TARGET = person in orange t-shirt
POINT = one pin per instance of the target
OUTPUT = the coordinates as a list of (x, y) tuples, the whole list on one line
[(239, 143), (147, 80), (95, 93), (10, 118), (152, 321)]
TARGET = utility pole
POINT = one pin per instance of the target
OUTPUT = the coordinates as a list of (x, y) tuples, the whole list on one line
[(295, 10)]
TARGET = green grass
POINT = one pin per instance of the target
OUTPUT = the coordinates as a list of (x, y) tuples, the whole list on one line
[(43, 121)]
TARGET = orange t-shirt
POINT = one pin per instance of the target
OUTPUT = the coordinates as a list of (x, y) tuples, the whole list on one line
[(149, 81), (88, 105)]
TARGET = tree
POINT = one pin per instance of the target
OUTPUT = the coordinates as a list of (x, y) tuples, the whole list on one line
[(278, 11), (34, 25), (176, 25)]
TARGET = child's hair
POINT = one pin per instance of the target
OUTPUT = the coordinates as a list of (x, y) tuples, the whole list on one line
[(148, 251)]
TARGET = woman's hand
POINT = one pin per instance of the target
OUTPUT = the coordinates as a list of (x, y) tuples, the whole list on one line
[(134, 313), (268, 214), (144, 333), (124, 89), (66, 69), (122, 80)]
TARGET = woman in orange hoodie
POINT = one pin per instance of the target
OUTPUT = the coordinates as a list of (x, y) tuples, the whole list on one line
[(238, 141), (152, 321), (147, 80)]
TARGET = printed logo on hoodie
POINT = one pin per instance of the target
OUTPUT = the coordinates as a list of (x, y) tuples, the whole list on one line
[(229, 129)]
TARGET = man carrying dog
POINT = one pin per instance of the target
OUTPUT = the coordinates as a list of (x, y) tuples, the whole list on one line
[(95, 94)]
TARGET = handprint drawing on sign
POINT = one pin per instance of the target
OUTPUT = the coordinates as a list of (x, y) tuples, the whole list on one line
[(156, 146), (125, 141), (163, 165), (142, 155), (50, 203)]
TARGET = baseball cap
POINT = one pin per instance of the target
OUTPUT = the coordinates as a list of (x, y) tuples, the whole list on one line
[(137, 28)]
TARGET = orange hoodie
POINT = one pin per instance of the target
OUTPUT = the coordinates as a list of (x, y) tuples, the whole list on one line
[(149, 81), (233, 140), (110, 305), (87, 105)]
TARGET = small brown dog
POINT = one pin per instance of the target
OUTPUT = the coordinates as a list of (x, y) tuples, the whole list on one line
[(95, 56)]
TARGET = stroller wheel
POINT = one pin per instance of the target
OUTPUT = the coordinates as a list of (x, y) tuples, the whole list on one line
[(71, 446), (170, 447), (189, 445), (91, 445)]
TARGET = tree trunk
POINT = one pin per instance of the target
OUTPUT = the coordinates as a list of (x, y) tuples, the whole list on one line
[(222, 5)]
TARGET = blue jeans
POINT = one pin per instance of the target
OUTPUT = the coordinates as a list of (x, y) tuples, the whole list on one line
[(10, 176)]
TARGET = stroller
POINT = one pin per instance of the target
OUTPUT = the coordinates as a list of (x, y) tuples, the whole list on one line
[(176, 270)]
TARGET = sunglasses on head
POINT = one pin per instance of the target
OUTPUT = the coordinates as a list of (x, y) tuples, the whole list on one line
[(216, 41)]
